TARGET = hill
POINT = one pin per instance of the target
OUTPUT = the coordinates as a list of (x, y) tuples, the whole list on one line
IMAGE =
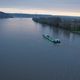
[(22, 15), (5, 15)]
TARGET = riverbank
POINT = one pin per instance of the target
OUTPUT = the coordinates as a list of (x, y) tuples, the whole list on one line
[(65, 22)]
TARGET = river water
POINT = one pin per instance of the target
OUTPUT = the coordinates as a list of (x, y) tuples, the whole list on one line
[(26, 55)]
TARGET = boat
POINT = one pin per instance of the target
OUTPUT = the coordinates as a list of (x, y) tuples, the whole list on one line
[(51, 39)]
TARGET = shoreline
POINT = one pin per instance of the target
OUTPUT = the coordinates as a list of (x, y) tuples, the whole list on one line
[(68, 23)]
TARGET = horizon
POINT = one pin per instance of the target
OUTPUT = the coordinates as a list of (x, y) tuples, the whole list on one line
[(55, 7), (39, 11)]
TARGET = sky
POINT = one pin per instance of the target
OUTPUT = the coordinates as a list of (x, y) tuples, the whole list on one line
[(54, 7)]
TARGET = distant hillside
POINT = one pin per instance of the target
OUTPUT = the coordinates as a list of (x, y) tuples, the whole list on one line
[(21, 15), (5, 15)]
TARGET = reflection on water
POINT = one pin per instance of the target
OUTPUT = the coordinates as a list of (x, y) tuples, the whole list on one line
[(59, 33), (26, 55)]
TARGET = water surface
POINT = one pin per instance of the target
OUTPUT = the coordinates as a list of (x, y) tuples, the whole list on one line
[(26, 55)]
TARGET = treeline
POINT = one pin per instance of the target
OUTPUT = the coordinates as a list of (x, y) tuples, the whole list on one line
[(69, 23)]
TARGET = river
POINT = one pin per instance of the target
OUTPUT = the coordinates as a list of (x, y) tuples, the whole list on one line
[(26, 55)]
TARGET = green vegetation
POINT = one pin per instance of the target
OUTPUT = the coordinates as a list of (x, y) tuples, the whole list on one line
[(68, 23)]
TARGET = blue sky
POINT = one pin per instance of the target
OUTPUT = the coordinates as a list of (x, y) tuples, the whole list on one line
[(63, 7)]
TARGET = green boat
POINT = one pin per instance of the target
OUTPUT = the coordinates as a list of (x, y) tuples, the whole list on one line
[(51, 39)]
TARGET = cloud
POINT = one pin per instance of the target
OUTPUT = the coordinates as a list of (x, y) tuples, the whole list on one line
[(46, 5)]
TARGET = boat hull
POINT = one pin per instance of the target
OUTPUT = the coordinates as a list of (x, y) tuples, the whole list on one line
[(51, 39)]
